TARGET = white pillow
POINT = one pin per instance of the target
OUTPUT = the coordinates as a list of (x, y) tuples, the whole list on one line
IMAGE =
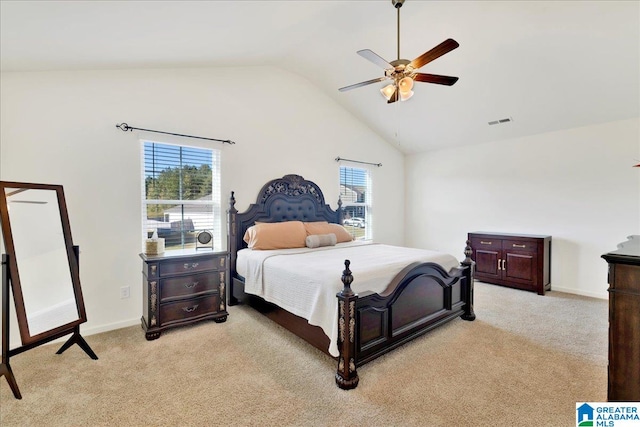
[(317, 240)]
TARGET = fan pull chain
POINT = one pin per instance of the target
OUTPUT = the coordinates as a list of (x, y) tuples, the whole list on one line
[(398, 117)]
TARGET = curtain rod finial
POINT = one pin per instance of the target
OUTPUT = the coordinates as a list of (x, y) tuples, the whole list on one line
[(123, 127)]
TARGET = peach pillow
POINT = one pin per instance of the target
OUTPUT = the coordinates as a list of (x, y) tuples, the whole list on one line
[(276, 235), (324, 227)]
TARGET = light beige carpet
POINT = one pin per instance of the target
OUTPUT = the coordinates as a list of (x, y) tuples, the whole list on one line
[(526, 360)]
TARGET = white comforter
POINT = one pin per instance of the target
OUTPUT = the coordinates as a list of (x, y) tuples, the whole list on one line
[(305, 281)]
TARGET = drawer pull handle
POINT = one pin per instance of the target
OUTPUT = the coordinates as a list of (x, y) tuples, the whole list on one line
[(499, 265), (519, 246), (191, 285), (504, 264), (187, 266), (190, 309), (482, 242)]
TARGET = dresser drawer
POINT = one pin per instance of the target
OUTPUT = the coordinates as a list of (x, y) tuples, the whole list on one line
[(180, 311), (188, 266), (189, 285), (519, 245), (486, 243)]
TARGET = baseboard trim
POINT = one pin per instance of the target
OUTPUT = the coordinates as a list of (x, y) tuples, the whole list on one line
[(580, 292), (85, 332), (109, 327), (568, 291)]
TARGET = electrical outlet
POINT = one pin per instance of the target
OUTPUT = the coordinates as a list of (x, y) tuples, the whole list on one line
[(124, 292)]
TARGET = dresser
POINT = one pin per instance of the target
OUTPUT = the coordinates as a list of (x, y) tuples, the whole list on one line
[(624, 321), (182, 287), (520, 261)]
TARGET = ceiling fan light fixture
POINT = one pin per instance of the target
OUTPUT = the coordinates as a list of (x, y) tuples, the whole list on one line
[(404, 96), (405, 85), (388, 91)]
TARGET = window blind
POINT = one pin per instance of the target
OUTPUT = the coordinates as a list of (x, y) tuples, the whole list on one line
[(355, 192), (181, 193)]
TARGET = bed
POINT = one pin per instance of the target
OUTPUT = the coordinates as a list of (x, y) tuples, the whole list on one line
[(393, 295)]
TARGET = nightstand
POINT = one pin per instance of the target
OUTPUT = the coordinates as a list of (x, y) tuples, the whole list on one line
[(182, 287)]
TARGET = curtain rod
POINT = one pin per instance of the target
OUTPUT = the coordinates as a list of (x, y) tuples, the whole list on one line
[(358, 161), (125, 127)]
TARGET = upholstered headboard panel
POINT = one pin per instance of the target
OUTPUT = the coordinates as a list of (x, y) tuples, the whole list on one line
[(289, 198)]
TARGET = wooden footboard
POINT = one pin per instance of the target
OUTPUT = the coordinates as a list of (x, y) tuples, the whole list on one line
[(421, 297)]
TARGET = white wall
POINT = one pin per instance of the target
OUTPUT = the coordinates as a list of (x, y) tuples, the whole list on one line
[(59, 128), (576, 185)]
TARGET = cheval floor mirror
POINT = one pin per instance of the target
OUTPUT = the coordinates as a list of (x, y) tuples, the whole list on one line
[(40, 264)]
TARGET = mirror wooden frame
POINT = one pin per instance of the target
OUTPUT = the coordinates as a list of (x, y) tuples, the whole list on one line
[(11, 276)]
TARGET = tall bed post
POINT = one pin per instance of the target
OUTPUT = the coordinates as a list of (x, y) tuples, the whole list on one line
[(232, 246), (468, 273), (347, 375)]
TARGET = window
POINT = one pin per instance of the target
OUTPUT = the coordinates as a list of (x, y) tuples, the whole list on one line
[(355, 192), (181, 193)]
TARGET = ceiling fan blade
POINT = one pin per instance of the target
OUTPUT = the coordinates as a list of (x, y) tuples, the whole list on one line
[(35, 202), (368, 82), (446, 46), (375, 58), (435, 78)]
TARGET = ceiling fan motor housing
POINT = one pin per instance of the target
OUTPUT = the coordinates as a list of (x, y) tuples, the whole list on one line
[(401, 69)]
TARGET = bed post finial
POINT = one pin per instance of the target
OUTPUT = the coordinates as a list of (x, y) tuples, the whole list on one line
[(347, 279), (232, 203), (468, 252), (347, 375), (340, 211), (469, 272)]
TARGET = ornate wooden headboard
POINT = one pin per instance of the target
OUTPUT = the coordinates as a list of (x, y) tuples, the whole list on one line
[(290, 198)]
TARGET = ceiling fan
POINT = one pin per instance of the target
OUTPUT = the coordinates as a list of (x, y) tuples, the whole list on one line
[(403, 72)]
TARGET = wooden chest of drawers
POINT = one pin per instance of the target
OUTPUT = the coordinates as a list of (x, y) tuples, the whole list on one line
[(624, 321), (520, 261), (182, 287)]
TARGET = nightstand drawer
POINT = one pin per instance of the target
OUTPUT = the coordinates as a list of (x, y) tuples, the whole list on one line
[(180, 311), (189, 285), (187, 266)]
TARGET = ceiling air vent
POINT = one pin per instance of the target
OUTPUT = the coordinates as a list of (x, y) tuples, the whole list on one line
[(495, 122)]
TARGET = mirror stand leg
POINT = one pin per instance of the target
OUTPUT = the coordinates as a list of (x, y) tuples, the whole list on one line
[(76, 338), (5, 370)]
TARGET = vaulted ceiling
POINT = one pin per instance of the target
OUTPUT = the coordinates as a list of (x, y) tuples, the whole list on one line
[(547, 65)]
